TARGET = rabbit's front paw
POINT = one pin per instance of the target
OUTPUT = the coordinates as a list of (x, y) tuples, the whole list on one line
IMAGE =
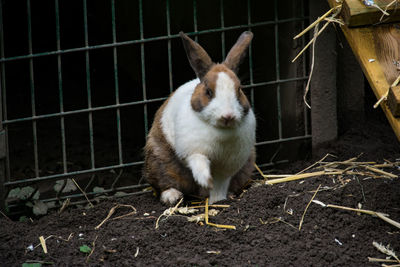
[(200, 166)]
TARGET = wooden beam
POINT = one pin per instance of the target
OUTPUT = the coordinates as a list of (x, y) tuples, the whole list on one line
[(363, 44), (394, 100), (356, 13)]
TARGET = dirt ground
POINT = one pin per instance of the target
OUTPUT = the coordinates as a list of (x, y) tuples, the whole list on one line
[(328, 237)]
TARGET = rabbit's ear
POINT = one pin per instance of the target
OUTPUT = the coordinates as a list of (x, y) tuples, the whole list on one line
[(198, 57), (238, 51)]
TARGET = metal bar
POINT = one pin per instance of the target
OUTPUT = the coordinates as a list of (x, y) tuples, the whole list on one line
[(153, 39), (143, 68), (277, 70), (3, 95), (305, 109), (73, 112), (250, 55), (196, 38), (221, 8), (171, 84), (281, 140), (65, 175), (3, 143), (94, 193), (88, 86), (60, 89), (116, 84), (69, 174), (270, 164), (32, 87)]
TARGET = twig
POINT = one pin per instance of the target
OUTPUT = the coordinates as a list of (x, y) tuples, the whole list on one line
[(304, 213), (258, 169), (5, 216), (111, 212), (83, 192), (91, 251), (316, 22), (385, 95), (383, 98)]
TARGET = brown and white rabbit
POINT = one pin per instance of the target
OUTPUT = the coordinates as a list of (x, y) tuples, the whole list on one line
[(202, 138)]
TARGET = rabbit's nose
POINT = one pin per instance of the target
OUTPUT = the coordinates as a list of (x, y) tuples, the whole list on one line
[(227, 118)]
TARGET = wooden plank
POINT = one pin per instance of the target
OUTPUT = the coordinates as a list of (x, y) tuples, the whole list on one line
[(362, 43), (356, 13), (394, 100)]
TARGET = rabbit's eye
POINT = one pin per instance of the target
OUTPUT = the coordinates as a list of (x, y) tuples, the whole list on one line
[(209, 93)]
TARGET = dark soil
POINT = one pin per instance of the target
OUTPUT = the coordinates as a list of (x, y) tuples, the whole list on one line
[(328, 237)]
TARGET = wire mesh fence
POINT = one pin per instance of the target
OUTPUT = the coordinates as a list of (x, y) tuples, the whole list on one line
[(81, 81)]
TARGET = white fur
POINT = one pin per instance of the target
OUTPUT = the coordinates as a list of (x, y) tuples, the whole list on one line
[(170, 196), (200, 166), (224, 103), (189, 133)]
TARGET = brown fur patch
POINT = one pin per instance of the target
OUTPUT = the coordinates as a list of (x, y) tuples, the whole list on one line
[(201, 98), (162, 168), (238, 51), (242, 177)]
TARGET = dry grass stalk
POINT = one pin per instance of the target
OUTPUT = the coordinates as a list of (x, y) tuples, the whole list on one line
[(300, 176), (64, 205), (381, 172), (58, 237), (212, 206), (83, 192), (168, 212), (258, 169), (275, 220), (43, 243), (92, 250), (380, 215), (318, 162), (370, 212), (380, 260), (201, 217), (111, 212), (385, 250), (311, 41), (304, 213), (388, 220), (213, 224), (316, 22)]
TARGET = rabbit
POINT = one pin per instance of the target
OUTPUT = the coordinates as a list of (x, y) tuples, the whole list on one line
[(202, 140)]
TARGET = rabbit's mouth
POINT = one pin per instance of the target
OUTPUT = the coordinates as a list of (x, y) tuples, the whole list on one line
[(227, 122)]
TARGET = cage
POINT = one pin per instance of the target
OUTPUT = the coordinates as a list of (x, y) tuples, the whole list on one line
[(82, 80)]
